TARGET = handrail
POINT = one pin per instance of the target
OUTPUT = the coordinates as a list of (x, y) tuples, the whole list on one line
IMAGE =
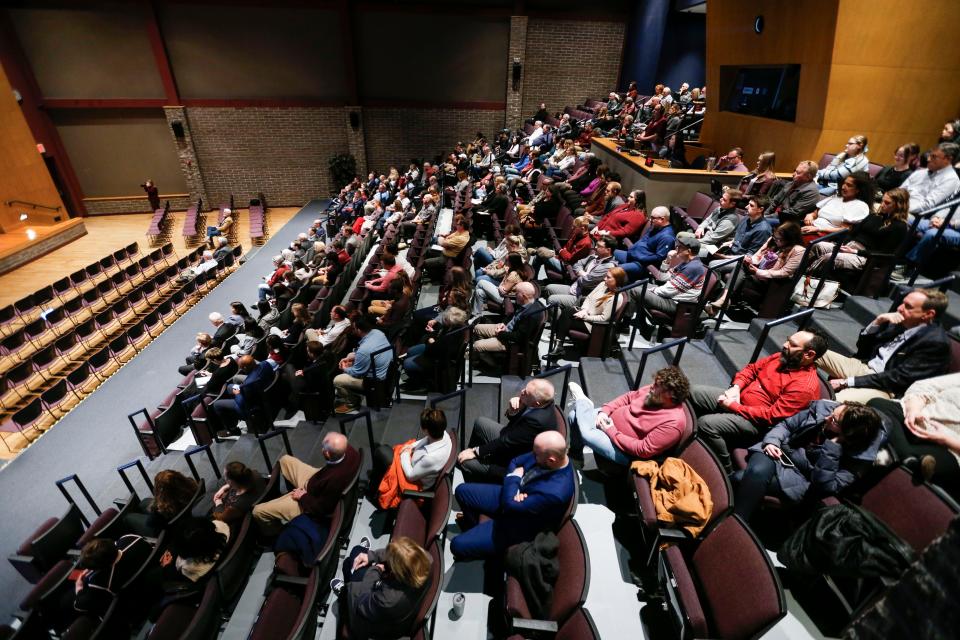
[(713, 268), (827, 273), (565, 370), (363, 413), (188, 456), (804, 316), (262, 441), (135, 197), (901, 291), (83, 490), (936, 238), (834, 237), (461, 413), (34, 205), (122, 470), (680, 343)]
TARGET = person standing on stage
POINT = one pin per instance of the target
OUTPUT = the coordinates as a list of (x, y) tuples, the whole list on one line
[(153, 194)]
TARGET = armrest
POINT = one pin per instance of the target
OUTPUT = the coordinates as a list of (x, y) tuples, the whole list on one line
[(163, 407), (542, 626), (677, 535), (410, 493), (280, 578)]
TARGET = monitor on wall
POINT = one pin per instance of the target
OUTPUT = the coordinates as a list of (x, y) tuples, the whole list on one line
[(765, 91)]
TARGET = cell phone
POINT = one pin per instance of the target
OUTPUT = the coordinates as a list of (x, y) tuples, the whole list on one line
[(786, 461)]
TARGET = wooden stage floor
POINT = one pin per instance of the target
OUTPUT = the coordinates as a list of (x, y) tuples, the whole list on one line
[(106, 234)]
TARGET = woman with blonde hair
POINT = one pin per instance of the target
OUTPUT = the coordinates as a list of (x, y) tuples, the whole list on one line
[(596, 307), (382, 590), (759, 181), (881, 232), (852, 159)]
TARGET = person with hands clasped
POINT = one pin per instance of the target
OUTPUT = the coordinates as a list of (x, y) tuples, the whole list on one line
[(763, 393), (381, 592), (894, 351), (534, 497), (815, 453)]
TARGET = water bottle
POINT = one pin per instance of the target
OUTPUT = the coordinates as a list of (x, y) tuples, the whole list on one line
[(459, 602)]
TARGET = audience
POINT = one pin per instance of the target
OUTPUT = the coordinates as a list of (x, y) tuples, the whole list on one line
[(362, 363), (797, 198), (851, 160), (492, 445), (640, 424), (238, 496), (651, 248), (762, 394), (536, 493), (316, 491), (720, 224), (894, 351), (810, 455), (415, 463)]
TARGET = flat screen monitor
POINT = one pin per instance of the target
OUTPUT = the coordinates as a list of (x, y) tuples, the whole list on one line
[(765, 91)]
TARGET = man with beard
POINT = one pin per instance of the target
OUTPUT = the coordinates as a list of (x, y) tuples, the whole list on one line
[(763, 393), (640, 424)]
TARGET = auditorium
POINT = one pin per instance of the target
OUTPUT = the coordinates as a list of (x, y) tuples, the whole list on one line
[(499, 319)]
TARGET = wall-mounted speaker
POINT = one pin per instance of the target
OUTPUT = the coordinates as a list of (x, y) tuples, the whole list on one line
[(178, 131), (355, 120)]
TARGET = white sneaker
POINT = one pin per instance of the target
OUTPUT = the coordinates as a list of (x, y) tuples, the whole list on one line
[(576, 391)]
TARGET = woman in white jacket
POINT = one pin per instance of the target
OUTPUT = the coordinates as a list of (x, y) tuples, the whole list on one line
[(596, 307)]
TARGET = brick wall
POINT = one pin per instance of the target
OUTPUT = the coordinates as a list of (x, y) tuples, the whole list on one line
[(568, 60), (396, 135), (132, 205), (281, 152)]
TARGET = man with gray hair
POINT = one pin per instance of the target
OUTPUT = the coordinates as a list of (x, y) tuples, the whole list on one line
[(223, 331), (798, 198), (493, 446), (223, 248), (519, 329), (927, 189)]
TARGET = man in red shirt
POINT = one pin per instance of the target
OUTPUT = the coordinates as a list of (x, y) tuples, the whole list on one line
[(763, 393)]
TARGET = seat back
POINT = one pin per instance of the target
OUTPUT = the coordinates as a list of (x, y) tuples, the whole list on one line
[(579, 626), (705, 462), (570, 592), (432, 594), (825, 160), (233, 569), (916, 511), (700, 205), (52, 545), (440, 507), (737, 582), (954, 354)]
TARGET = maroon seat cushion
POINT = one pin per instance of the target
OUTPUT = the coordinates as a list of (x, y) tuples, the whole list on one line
[(97, 526), (26, 549), (740, 458), (50, 580), (277, 616), (687, 592), (515, 600), (287, 564), (914, 512), (410, 522), (648, 511), (81, 628), (172, 622)]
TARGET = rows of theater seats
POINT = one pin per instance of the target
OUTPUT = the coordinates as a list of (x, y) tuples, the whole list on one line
[(60, 342)]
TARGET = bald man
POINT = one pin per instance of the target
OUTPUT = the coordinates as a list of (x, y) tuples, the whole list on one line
[(520, 329), (534, 497), (317, 491), (493, 446)]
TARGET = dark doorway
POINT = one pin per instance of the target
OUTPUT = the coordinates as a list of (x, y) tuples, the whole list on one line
[(58, 183)]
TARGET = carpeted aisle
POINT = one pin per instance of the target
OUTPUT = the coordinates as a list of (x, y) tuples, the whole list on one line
[(96, 437)]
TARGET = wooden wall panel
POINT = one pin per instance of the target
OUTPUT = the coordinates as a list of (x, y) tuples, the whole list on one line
[(23, 174), (114, 151), (882, 68), (96, 53), (799, 32)]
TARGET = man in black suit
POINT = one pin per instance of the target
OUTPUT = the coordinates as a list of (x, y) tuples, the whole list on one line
[(244, 397), (493, 446), (496, 338), (224, 331), (893, 351)]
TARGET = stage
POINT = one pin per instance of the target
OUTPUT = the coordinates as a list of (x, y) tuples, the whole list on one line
[(17, 248)]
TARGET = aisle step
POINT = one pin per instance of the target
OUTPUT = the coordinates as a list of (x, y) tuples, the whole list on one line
[(602, 380), (698, 363)]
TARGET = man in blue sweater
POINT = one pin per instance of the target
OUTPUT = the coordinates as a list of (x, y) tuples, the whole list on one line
[(651, 248)]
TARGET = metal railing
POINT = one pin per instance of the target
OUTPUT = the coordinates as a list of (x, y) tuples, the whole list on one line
[(802, 318), (34, 205), (83, 490), (262, 441), (365, 414), (461, 413), (122, 470), (679, 343), (188, 456)]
